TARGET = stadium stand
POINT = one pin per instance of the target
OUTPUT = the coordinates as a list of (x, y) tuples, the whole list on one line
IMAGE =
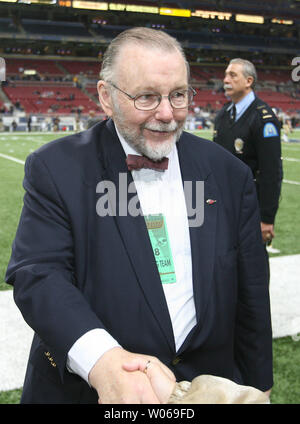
[(76, 67), (8, 26), (36, 41), (56, 99), (16, 67), (55, 28)]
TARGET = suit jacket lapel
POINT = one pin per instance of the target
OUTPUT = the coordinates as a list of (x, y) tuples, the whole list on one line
[(202, 237), (133, 230)]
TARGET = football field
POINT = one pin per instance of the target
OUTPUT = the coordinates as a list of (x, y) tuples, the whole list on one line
[(15, 147)]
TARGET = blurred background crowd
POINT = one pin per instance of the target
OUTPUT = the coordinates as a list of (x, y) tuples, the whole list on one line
[(53, 50)]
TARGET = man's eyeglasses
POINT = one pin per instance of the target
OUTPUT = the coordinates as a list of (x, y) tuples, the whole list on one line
[(179, 99)]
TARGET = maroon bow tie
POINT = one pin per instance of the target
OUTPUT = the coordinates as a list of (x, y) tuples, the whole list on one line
[(135, 162)]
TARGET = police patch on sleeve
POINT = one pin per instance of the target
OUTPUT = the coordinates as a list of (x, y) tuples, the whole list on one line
[(270, 130)]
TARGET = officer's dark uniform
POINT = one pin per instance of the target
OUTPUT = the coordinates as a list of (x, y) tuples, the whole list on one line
[(255, 139)]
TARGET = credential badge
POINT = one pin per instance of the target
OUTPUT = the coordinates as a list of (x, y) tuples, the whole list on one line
[(238, 145)]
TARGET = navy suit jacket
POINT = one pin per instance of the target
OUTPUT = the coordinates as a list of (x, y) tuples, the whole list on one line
[(74, 271)]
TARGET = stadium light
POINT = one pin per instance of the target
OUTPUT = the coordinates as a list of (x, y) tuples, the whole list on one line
[(252, 19)]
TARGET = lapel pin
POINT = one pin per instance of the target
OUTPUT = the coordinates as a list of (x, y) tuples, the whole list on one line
[(210, 201)]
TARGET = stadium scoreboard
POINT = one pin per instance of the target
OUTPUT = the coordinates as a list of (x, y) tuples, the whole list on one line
[(165, 11)]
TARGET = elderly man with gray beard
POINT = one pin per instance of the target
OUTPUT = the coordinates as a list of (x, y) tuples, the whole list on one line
[(101, 289)]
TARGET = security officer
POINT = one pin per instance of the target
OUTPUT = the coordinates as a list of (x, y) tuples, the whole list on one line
[(248, 128)]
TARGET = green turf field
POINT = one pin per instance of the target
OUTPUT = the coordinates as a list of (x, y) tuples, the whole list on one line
[(15, 147)]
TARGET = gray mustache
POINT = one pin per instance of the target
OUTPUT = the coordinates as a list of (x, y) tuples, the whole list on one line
[(160, 126)]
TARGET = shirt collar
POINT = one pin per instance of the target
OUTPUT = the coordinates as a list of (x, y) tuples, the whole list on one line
[(244, 103)]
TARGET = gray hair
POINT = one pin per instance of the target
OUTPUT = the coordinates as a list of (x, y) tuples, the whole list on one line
[(248, 69), (145, 37)]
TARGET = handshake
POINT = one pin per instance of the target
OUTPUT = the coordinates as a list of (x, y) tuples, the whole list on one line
[(120, 376), (161, 378)]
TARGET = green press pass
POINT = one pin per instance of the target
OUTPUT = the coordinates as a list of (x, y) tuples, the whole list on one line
[(158, 233)]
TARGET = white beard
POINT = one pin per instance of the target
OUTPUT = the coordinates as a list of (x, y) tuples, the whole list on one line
[(136, 139)]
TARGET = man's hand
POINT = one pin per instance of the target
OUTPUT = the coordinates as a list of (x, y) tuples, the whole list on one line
[(267, 232), (115, 385), (162, 382)]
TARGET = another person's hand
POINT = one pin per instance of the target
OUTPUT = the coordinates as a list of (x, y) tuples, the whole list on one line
[(267, 232), (162, 379), (116, 385)]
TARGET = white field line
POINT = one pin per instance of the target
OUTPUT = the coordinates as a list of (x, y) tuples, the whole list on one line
[(33, 133), (292, 147), (291, 182), (292, 159), (12, 158)]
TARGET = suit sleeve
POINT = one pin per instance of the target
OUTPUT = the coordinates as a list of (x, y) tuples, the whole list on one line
[(253, 332), (41, 267), (268, 147)]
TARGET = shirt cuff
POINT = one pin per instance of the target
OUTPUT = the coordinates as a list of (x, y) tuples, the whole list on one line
[(86, 351)]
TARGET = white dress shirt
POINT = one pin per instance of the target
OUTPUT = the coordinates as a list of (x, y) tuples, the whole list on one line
[(158, 192)]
